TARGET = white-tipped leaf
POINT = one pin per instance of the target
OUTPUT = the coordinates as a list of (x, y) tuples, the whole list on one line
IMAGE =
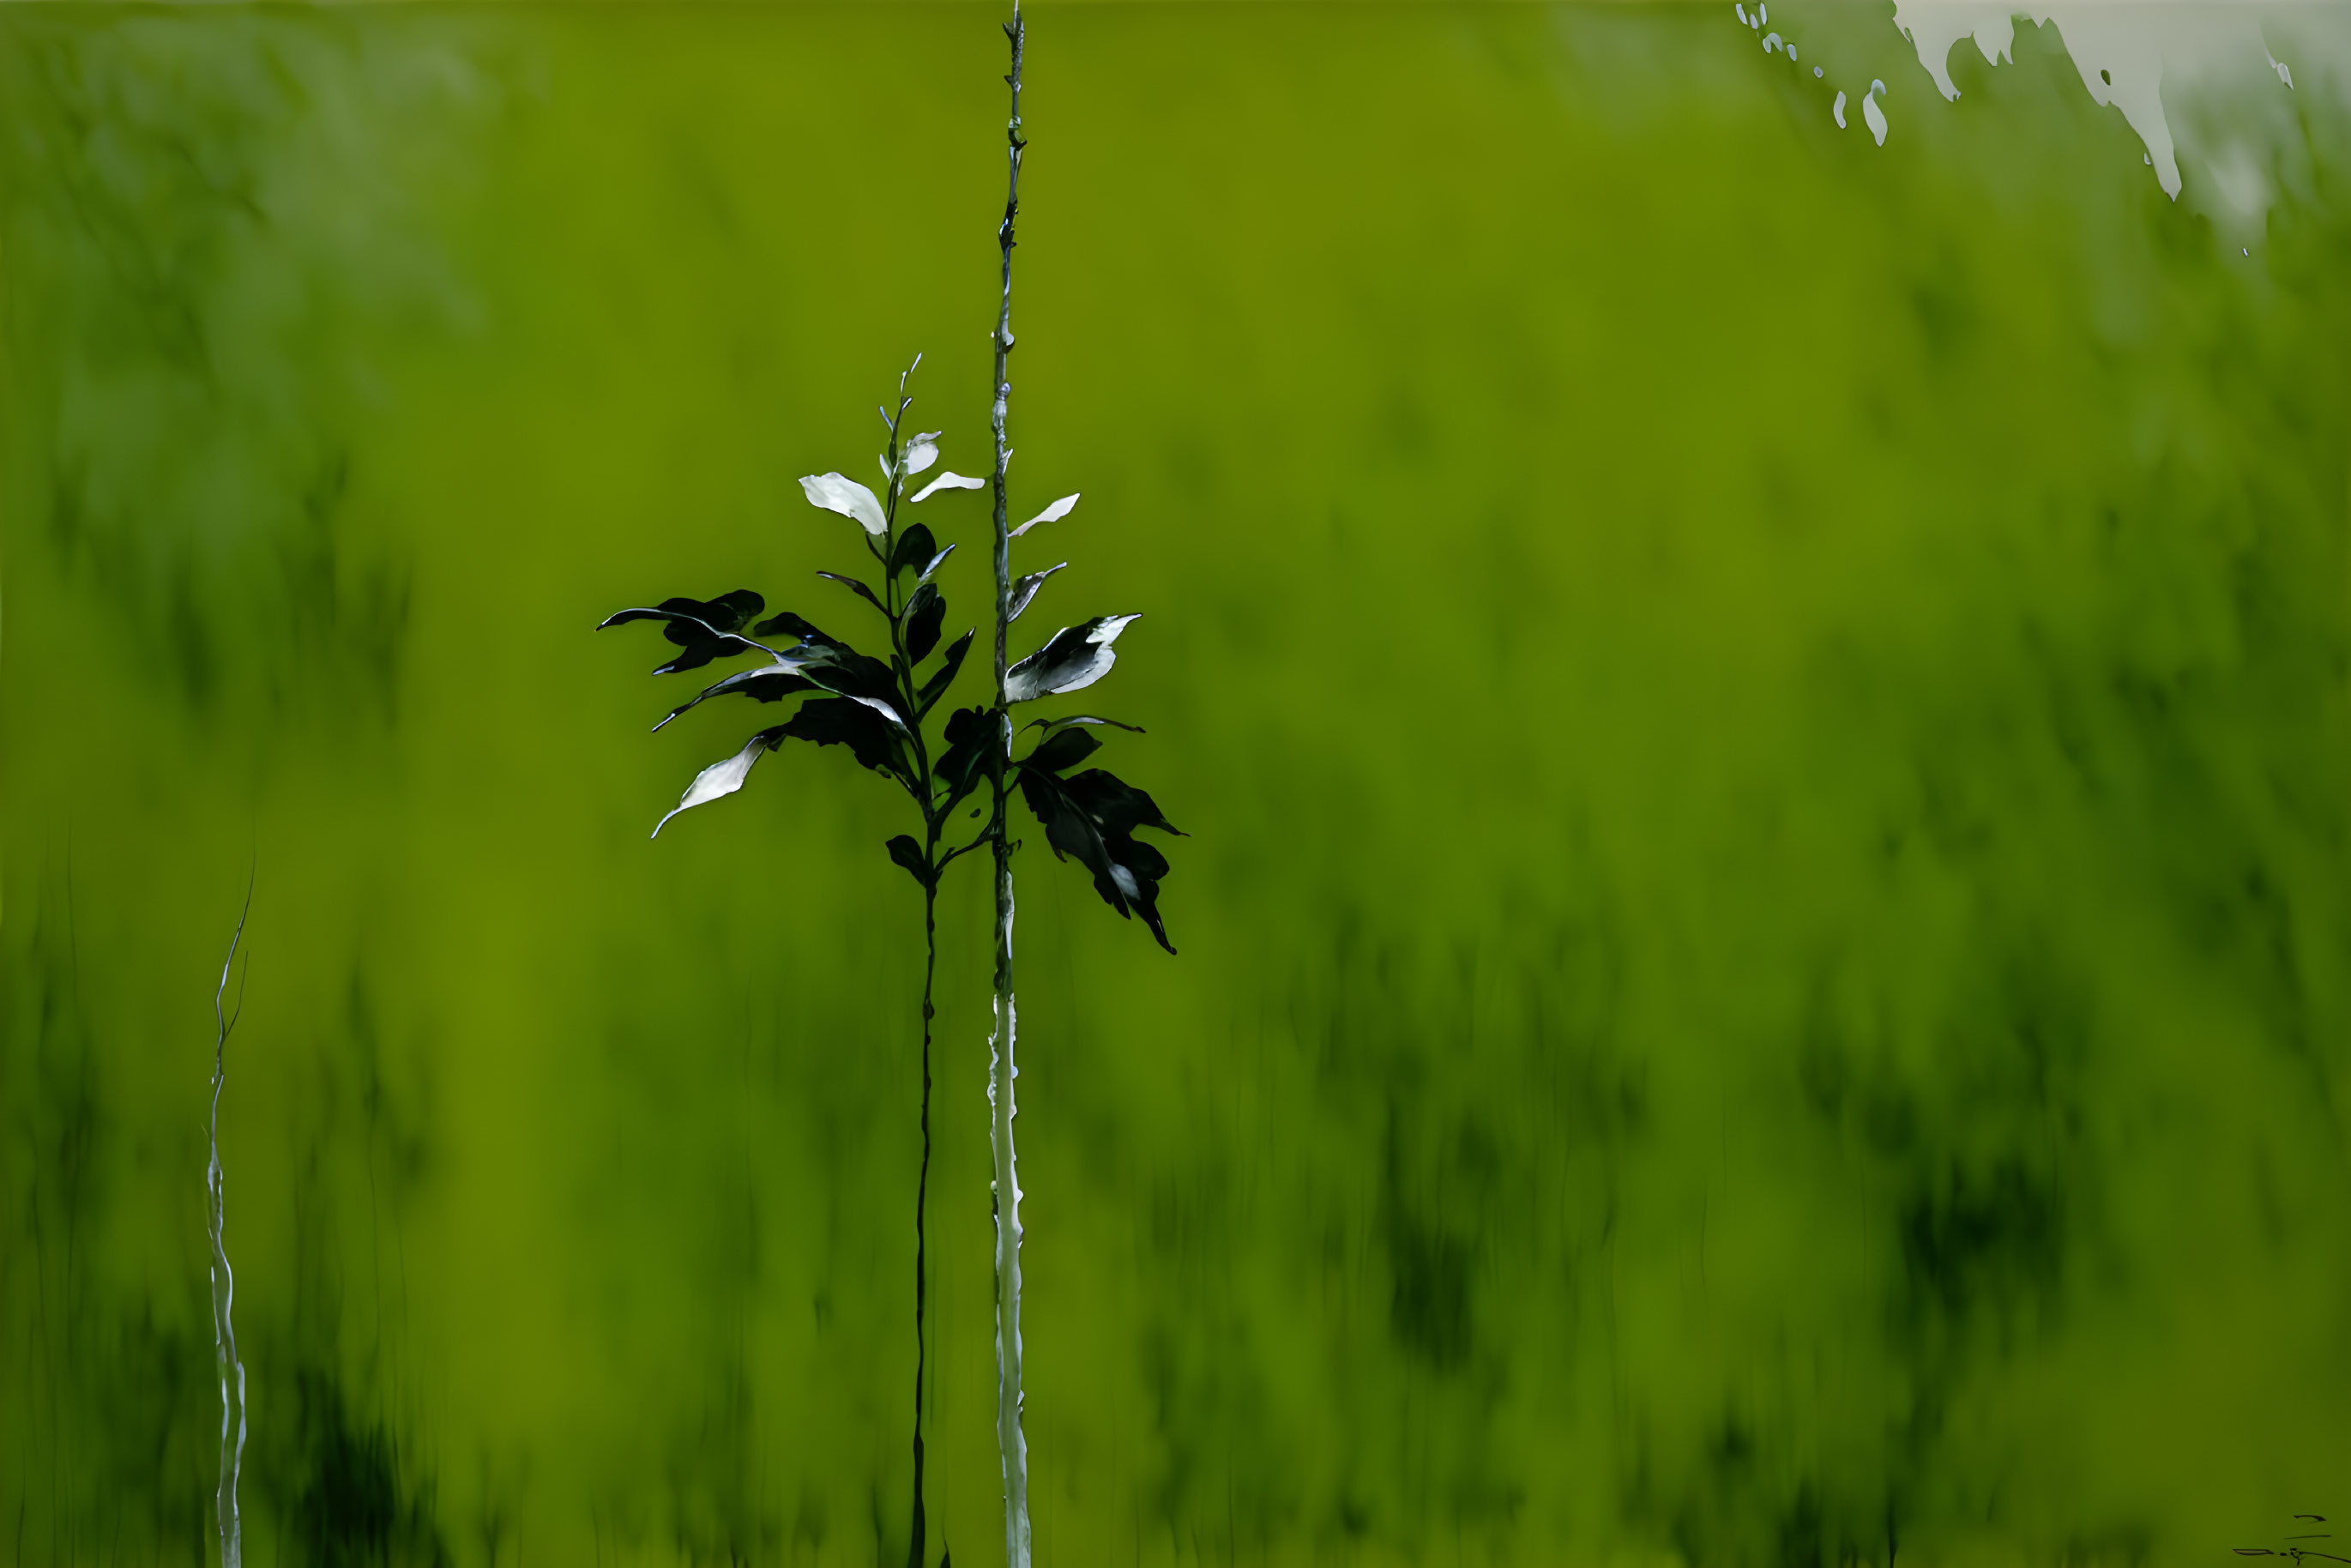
[(768, 683), (878, 705), (1053, 514), (719, 778), (949, 481), (936, 562), (1026, 589), (1074, 657), (922, 451), (837, 493), (1051, 724)]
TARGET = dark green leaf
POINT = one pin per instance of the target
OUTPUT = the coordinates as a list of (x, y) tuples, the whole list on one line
[(1144, 860), (741, 606), (769, 684), (908, 853), (843, 671), (791, 625), (1063, 750), (1126, 872), (837, 721), (1118, 806), (704, 629), (915, 546), (861, 590), (933, 565), (924, 613), (970, 742), (936, 686), (710, 617), (966, 723)]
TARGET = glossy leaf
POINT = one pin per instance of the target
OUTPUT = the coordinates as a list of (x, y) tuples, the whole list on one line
[(1026, 589), (908, 853), (1051, 724), (791, 625), (936, 686), (1074, 657), (839, 721), (717, 616), (921, 451), (932, 567), (924, 613), (914, 547), (834, 666), (837, 493), (1063, 750), (770, 682), (1119, 806), (722, 778), (948, 482), (1091, 818), (852, 674), (704, 629), (1053, 514), (854, 586)]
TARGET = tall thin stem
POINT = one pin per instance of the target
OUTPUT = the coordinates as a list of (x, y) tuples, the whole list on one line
[(1001, 1069), (934, 820), (230, 1368), (915, 1550)]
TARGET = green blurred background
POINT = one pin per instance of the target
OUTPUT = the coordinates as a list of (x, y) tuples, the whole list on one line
[(1763, 722)]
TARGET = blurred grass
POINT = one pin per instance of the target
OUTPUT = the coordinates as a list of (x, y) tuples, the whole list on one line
[(1761, 722)]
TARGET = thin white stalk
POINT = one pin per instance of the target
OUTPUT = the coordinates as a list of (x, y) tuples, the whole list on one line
[(1001, 1069), (1002, 1074), (231, 1369)]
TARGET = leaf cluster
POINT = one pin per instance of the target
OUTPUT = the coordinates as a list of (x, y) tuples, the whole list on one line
[(874, 704), (877, 705), (1089, 815)]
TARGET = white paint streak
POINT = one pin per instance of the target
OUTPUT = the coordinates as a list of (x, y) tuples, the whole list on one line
[(224, 1289), (2144, 61)]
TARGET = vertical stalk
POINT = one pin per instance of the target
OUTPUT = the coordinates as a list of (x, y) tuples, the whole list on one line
[(902, 668), (915, 1550), (224, 1282), (1001, 1070)]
